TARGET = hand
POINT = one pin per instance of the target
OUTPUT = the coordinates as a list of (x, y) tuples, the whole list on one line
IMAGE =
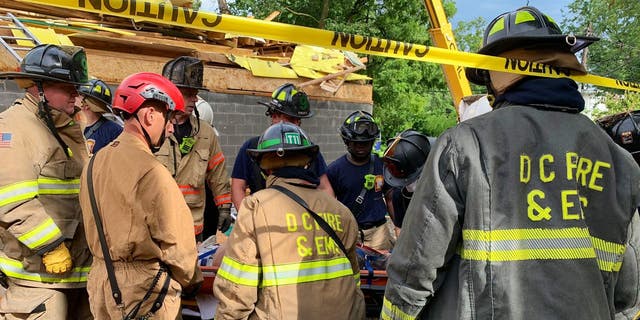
[(224, 218), (57, 260)]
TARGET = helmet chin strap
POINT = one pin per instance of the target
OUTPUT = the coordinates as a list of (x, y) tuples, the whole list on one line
[(44, 112)]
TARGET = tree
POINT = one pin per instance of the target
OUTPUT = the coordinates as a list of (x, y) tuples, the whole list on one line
[(617, 54), (405, 93)]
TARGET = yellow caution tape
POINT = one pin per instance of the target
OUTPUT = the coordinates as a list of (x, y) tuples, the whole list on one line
[(159, 12)]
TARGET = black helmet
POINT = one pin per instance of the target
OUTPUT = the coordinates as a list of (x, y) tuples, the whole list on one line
[(50, 62), (525, 28), (284, 140), (405, 157), (359, 126), (98, 90), (290, 101), (626, 133), (185, 72)]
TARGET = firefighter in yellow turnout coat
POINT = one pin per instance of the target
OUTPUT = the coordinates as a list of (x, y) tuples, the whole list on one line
[(44, 254), (192, 153), (147, 225), (279, 263)]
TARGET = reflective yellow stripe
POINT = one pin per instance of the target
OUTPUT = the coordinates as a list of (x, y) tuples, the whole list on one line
[(389, 311), (43, 233), (18, 191), (239, 273), (266, 276), (279, 275), (14, 269), (543, 244), (58, 186)]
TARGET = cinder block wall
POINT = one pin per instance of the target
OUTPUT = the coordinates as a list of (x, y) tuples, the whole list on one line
[(239, 117)]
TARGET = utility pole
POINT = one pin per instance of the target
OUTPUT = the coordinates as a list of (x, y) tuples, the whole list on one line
[(223, 7)]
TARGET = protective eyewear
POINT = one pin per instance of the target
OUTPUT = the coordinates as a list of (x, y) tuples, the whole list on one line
[(368, 127)]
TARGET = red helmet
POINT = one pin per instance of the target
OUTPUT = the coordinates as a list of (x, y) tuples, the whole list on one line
[(139, 87)]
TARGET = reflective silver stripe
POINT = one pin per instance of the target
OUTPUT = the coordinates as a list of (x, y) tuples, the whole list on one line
[(239, 273), (502, 245), (309, 271), (58, 186), (533, 244), (17, 192), (306, 272), (43, 233), (14, 269)]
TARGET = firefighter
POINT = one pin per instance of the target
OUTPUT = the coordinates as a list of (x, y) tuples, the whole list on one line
[(192, 153), (524, 212), (95, 100), (287, 104), (358, 182), (145, 221), (403, 162), (625, 131), (279, 263), (44, 252)]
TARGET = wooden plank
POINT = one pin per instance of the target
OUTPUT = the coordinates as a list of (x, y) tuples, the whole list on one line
[(112, 67), (240, 81), (46, 10), (129, 45)]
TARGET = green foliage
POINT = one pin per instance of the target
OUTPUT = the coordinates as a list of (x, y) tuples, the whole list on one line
[(617, 23), (617, 54), (617, 103), (406, 94)]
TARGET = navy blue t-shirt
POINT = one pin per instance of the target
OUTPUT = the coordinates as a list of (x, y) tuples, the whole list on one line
[(246, 169), (101, 134), (347, 181), (400, 203)]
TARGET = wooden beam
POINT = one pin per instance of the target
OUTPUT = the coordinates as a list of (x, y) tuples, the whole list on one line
[(241, 81)]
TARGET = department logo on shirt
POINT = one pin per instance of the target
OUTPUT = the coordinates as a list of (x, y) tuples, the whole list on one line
[(5, 139)]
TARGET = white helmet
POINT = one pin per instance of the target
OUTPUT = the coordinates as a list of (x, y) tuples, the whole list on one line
[(205, 111)]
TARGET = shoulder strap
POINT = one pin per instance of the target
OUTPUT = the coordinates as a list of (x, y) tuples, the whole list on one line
[(323, 224), (115, 290), (95, 127), (360, 198)]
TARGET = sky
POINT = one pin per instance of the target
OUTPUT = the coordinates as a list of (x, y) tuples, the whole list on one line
[(489, 9), (471, 9)]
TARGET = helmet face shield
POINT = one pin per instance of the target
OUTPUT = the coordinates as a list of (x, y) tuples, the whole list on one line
[(365, 128), (404, 158), (359, 126)]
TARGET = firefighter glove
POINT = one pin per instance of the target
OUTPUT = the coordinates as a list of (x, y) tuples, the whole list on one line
[(224, 218), (57, 260)]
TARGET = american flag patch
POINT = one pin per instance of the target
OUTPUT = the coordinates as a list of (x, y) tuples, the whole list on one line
[(5, 139)]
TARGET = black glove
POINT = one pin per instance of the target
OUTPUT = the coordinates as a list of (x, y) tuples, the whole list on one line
[(191, 291), (3, 280), (224, 218)]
